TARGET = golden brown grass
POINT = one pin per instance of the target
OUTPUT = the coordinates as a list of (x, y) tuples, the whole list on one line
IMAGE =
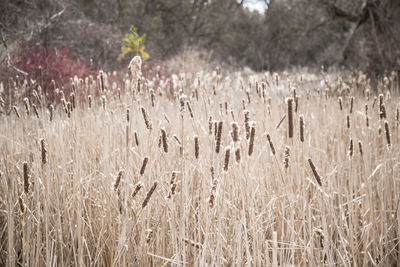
[(60, 169)]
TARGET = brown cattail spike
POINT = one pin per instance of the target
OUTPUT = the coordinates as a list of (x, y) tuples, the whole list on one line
[(286, 158), (237, 155), (143, 168), (227, 156), (340, 100), (251, 141), (314, 170), (301, 128), (146, 119), (290, 117), (118, 180), (351, 149), (348, 122), (138, 186), (26, 177), (351, 104), (360, 147), (43, 151), (148, 196), (389, 143), (16, 112), (164, 140), (235, 132), (218, 138), (35, 110), (246, 123), (196, 147), (51, 110), (271, 145)]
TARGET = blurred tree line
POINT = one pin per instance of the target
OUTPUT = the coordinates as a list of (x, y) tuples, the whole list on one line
[(352, 33)]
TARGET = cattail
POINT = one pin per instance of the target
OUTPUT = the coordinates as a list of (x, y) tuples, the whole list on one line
[(280, 122), (182, 103), (212, 171), (136, 139), (351, 149), (351, 104), (196, 147), (90, 101), (35, 110), (383, 112), (189, 108), (218, 138), (16, 112), (73, 100), (380, 101), (51, 109), (271, 145), (227, 156), (360, 147), (348, 122), (143, 168), (248, 97), (103, 101), (290, 117), (235, 132), (26, 177), (246, 123), (146, 119), (211, 200), (389, 143), (340, 100), (152, 97), (301, 128), (43, 151), (69, 108), (296, 103), (101, 81), (286, 158), (215, 128), (118, 180), (149, 235), (26, 102), (314, 170), (210, 125), (166, 118), (251, 141), (138, 186), (164, 140), (148, 196), (127, 115)]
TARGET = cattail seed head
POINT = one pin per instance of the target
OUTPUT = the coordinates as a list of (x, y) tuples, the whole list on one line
[(246, 123), (138, 186), (351, 104), (210, 125), (360, 147), (218, 138), (227, 156), (251, 141), (351, 149), (237, 155), (43, 151), (348, 122), (314, 170), (387, 131), (51, 110), (235, 132), (301, 128), (290, 117), (26, 103), (382, 114), (90, 101), (340, 100), (136, 139), (196, 147), (118, 180), (164, 140), (146, 119), (143, 168), (127, 115), (26, 177), (103, 101), (16, 112), (35, 110), (286, 158), (148, 196), (189, 108), (271, 145)]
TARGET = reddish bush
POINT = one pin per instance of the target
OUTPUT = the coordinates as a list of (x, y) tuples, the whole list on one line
[(45, 66)]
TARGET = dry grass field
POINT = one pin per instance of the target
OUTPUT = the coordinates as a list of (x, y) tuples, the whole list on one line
[(202, 169)]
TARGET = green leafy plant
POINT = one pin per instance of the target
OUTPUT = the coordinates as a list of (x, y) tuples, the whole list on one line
[(133, 42)]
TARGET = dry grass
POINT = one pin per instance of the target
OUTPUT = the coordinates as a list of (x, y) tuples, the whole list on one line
[(287, 198)]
